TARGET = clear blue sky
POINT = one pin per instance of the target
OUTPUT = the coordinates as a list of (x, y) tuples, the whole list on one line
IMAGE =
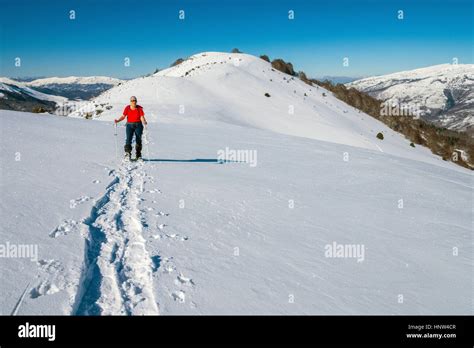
[(150, 33)]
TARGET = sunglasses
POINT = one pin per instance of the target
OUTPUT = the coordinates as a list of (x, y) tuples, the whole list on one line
[(133, 101)]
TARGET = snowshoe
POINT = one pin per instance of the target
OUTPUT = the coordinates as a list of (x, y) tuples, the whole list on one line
[(128, 152), (138, 152)]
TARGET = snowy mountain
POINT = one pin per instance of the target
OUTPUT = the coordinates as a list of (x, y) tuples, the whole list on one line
[(47, 93), (74, 87), (245, 90), (16, 95), (259, 194), (444, 93), (76, 80), (337, 79)]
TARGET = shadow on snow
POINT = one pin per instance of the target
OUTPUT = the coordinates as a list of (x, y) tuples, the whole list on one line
[(196, 160)]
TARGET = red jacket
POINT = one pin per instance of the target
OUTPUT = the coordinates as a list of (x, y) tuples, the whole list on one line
[(133, 115)]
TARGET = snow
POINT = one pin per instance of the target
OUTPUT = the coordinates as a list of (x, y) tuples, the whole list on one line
[(9, 81), (428, 82), (12, 86), (43, 96), (6, 87), (456, 124), (118, 218), (183, 234), (427, 89), (82, 80), (190, 232)]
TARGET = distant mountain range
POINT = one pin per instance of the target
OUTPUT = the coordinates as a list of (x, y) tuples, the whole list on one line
[(338, 79), (45, 93), (74, 87), (443, 93), (15, 95)]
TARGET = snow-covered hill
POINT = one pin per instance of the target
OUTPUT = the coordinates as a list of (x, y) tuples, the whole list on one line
[(444, 93), (245, 90), (183, 234)]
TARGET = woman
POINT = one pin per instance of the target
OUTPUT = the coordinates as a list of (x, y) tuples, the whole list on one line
[(135, 123)]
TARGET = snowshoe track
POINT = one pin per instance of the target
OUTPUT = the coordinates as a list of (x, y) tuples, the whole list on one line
[(117, 276)]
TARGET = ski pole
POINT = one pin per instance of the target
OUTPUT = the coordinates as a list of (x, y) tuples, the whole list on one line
[(147, 141), (116, 146)]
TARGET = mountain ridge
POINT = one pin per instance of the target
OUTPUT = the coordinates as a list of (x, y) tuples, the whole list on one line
[(443, 93), (208, 87)]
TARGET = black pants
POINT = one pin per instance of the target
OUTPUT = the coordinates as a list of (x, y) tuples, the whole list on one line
[(131, 129)]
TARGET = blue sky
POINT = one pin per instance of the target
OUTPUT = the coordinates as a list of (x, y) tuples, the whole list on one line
[(151, 34)]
